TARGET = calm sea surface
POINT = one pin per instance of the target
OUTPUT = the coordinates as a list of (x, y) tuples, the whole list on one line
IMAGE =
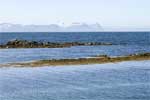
[(128, 38), (125, 43), (119, 81), (113, 81)]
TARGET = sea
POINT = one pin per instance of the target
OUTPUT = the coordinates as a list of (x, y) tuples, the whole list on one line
[(112, 81), (124, 43)]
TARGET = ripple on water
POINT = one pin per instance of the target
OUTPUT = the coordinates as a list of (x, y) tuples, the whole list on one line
[(113, 81)]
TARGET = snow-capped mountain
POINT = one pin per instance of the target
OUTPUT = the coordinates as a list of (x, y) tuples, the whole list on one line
[(82, 27)]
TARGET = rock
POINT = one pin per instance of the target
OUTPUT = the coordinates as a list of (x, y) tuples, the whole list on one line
[(34, 44)]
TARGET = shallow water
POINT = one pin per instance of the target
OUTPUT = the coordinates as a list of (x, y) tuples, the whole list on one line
[(18, 55), (126, 43), (113, 81)]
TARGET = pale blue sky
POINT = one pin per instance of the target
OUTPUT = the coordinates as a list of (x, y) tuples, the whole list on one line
[(106, 12)]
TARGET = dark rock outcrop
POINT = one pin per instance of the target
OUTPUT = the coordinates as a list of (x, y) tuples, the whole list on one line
[(34, 44)]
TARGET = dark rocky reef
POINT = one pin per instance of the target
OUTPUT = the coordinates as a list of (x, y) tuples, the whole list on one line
[(34, 44)]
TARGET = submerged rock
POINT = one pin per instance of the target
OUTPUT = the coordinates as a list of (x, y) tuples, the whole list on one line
[(80, 61)]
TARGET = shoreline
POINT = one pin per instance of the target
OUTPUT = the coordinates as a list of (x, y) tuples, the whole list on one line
[(101, 59)]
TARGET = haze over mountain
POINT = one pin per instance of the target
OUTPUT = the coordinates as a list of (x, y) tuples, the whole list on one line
[(80, 27), (75, 27)]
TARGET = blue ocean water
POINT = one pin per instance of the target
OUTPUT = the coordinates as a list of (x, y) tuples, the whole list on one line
[(128, 38), (21, 55), (113, 81), (125, 43)]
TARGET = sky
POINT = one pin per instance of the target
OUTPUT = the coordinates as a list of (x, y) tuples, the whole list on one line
[(131, 13)]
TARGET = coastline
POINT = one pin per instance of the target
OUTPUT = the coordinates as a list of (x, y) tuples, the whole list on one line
[(101, 59)]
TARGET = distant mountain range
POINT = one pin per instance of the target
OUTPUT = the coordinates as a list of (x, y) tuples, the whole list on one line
[(75, 27), (8, 27)]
